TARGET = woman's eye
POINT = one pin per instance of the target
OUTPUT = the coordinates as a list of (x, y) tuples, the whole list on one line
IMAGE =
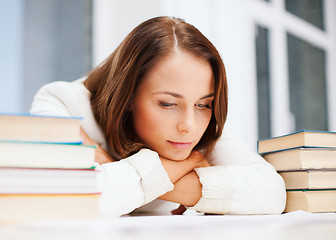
[(166, 105), (204, 106)]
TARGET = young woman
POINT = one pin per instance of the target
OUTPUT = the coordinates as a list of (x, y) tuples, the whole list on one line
[(156, 109)]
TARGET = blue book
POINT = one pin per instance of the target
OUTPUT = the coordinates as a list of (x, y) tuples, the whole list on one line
[(37, 128), (300, 139)]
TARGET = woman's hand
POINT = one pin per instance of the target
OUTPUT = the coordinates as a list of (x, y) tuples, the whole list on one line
[(187, 187), (178, 169), (198, 159), (101, 156)]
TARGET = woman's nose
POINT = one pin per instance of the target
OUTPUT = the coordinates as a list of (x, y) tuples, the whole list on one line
[(187, 121)]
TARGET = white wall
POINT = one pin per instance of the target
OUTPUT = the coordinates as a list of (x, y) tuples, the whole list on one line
[(113, 20), (11, 25)]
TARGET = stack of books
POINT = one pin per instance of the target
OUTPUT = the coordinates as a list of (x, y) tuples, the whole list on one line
[(46, 173), (307, 162)]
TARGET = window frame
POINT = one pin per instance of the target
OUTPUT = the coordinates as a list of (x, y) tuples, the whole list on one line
[(267, 14)]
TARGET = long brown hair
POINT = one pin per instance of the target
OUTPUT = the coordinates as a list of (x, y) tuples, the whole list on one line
[(114, 82)]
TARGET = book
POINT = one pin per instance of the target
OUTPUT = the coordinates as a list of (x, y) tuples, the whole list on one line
[(306, 160), (309, 179), (38, 128), (46, 173), (304, 138), (46, 155), (302, 159), (16, 208), (311, 200), (48, 181)]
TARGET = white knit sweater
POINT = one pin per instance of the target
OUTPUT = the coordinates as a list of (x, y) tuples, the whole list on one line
[(241, 182)]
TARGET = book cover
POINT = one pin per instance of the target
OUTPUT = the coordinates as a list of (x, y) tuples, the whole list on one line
[(311, 200), (303, 138), (49, 181), (46, 155), (309, 179), (39, 128), (302, 159), (21, 208)]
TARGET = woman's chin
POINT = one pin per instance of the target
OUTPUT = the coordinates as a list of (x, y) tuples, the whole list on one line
[(176, 156)]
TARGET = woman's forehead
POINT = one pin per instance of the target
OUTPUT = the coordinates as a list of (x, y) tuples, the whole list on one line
[(180, 71)]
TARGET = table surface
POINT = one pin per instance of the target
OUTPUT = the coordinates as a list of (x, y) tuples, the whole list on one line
[(295, 225)]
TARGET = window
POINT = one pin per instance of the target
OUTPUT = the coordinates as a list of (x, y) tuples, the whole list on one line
[(295, 85), (57, 43), (307, 84), (263, 82), (309, 10)]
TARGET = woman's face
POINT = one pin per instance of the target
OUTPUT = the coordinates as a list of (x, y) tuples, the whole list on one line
[(172, 107)]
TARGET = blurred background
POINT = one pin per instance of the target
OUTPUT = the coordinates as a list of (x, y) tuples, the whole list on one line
[(280, 55)]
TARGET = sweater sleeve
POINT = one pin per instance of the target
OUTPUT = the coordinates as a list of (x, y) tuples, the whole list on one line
[(241, 182), (53, 99), (132, 182), (69, 99)]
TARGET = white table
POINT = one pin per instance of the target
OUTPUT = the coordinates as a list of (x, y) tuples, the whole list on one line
[(296, 225)]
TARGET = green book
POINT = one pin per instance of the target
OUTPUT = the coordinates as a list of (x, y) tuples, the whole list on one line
[(46, 155)]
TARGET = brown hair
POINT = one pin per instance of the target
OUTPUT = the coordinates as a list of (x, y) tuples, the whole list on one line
[(114, 82)]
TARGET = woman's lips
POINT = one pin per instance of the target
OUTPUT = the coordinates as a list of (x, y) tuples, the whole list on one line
[(181, 145)]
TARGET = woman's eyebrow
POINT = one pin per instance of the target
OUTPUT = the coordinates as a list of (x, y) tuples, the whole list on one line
[(208, 96), (177, 95)]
